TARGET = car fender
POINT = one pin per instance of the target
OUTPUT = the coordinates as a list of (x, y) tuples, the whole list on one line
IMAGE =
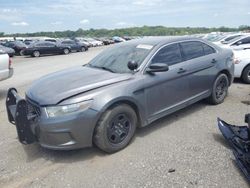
[(131, 102)]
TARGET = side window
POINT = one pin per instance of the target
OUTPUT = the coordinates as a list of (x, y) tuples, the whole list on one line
[(170, 55), (231, 38), (40, 45), (49, 45), (242, 41), (192, 50), (246, 40), (208, 49)]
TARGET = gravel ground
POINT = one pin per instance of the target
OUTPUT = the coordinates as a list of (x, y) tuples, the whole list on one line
[(184, 149)]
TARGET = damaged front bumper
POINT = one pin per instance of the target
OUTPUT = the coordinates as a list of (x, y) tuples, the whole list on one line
[(239, 139), (17, 110), (67, 132)]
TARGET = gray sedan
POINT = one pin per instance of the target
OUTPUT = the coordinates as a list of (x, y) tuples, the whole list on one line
[(126, 86)]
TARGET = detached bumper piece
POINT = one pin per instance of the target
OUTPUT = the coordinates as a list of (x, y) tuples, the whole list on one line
[(17, 109), (239, 139)]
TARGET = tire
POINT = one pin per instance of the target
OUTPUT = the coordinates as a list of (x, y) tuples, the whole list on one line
[(115, 129), (66, 51), (246, 75), (36, 53), (21, 53), (219, 90), (83, 49)]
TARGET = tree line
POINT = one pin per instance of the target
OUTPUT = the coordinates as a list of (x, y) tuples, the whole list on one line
[(132, 31)]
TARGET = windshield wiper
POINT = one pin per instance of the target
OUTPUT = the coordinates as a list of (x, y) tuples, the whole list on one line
[(107, 69), (103, 68)]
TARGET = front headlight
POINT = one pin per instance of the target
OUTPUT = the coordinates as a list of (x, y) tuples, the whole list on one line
[(54, 111)]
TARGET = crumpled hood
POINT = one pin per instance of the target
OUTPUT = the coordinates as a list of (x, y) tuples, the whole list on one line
[(55, 87)]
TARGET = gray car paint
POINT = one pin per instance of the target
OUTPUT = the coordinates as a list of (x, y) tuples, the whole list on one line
[(152, 95)]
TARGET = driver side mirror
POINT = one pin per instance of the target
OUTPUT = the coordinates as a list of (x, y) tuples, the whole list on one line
[(158, 67), (132, 65)]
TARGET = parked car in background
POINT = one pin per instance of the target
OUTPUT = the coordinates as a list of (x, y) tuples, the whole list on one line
[(127, 37), (106, 41), (93, 42), (75, 46), (29, 41), (126, 86), (9, 51), (238, 43), (6, 71), (81, 40), (224, 38), (242, 65), (117, 39), (45, 47), (18, 46)]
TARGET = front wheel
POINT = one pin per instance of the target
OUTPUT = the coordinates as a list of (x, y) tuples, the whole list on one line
[(219, 90), (36, 54), (246, 75), (115, 128), (66, 51)]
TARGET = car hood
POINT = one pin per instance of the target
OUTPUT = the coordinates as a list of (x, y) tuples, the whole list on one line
[(6, 49), (55, 87)]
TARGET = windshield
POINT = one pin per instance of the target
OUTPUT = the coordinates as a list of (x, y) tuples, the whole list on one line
[(115, 59)]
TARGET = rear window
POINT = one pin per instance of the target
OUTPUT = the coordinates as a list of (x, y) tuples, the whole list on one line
[(192, 50), (208, 49)]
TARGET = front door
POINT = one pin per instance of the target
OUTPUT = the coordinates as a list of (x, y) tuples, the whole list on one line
[(166, 91)]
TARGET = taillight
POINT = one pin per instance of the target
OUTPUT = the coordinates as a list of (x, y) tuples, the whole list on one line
[(10, 63)]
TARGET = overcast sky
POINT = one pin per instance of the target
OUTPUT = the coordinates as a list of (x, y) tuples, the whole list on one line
[(50, 15)]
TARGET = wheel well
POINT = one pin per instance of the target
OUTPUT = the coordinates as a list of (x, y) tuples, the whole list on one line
[(245, 68), (132, 105), (226, 72)]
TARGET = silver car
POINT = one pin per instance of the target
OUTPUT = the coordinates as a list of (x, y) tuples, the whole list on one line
[(126, 86)]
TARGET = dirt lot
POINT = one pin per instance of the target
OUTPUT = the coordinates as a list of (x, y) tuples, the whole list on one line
[(187, 141)]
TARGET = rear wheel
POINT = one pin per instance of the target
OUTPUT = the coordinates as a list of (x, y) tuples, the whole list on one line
[(246, 75), (21, 53), (36, 54), (83, 49), (219, 90), (66, 51), (115, 128)]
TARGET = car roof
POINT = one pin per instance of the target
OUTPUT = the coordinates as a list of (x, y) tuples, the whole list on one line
[(161, 40)]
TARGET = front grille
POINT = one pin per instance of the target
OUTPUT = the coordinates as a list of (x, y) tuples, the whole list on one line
[(33, 109)]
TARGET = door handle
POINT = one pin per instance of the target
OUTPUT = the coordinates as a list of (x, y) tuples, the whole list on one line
[(181, 70), (213, 61)]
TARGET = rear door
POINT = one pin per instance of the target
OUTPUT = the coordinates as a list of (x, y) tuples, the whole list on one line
[(41, 47), (51, 48), (201, 60)]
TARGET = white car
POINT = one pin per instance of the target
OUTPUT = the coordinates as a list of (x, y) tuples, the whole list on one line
[(238, 43), (6, 71), (223, 39), (94, 42), (242, 65)]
